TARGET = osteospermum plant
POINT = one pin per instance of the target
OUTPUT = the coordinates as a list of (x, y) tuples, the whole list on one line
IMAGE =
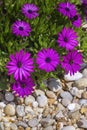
[(43, 43)]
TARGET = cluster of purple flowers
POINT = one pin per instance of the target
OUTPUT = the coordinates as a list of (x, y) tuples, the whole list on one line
[(22, 28), (68, 9), (21, 65)]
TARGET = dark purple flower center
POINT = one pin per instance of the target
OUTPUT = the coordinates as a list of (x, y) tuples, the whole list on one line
[(65, 39), (29, 11), (48, 60), (71, 62), (23, 85), (67, 9), (19, 64), (74, 18), (21, 28)]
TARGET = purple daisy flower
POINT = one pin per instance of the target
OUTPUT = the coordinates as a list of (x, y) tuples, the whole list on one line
[(20, 65), (21, 28), (24, 87), (67, 9), (72, 61), (84, 2), (30, 10), (67, 38), (76, 20), (47, 59)]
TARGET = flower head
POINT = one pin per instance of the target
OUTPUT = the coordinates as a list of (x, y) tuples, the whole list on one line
[(67, 9), (84, 2), (67, 38), (72, 61), (30, 10), (24, 87), (20, 65), (47, 59), (76, 20), (21, 28)]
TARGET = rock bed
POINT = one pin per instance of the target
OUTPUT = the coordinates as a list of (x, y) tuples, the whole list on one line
[(62, 107)]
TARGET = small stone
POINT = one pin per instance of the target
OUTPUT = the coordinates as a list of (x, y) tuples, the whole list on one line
[(9, 110), (65, 102), (35, 104), (68, 128), (82, 101), (81, 83), (73, 107), (20, 128), (2, 104), (0, 115), (46, 122), (1, 126), (59, 115), (74, 77), (28, 109), (84, 95), (38, 92), (13, 126), (20, 110), (76, 92), (42, 100), (23, 124), (74, 115), (82, 123), (9, 96), (34, 128), (33, 122), (83, 66), (85, 72), (48, 128), (50, 94), (66, 95), (29, 100), (84, 109), (54, 84), (28, 128)]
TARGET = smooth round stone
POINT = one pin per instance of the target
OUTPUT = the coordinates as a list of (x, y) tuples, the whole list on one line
[(34, 128), (50, 94), (81, 83), (83, 101), (33, 122), (9, 96), (2, 105), (42, 100), (13, 126), (20, 110), (47, 121), (54, 84), (28, 109), (84, 95), (48, 128), (9, 110), (76, 92), (23, 124), (73, 107), (39, 92), (66, 95), (74, 77), (65, 102), (35, 104), (83, 66), (29, 100), (68, 128)]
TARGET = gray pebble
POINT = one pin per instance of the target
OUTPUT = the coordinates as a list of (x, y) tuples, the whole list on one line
[(47, 122), (9, 96), (66, 95), (33, 122), (82, 123), (65, 102), (23, 124), (48, 128), (50, 94), (13, 126), (81, 83), (85, 72), (68, 128), (42, 100), (20, 110), (54, 84)]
